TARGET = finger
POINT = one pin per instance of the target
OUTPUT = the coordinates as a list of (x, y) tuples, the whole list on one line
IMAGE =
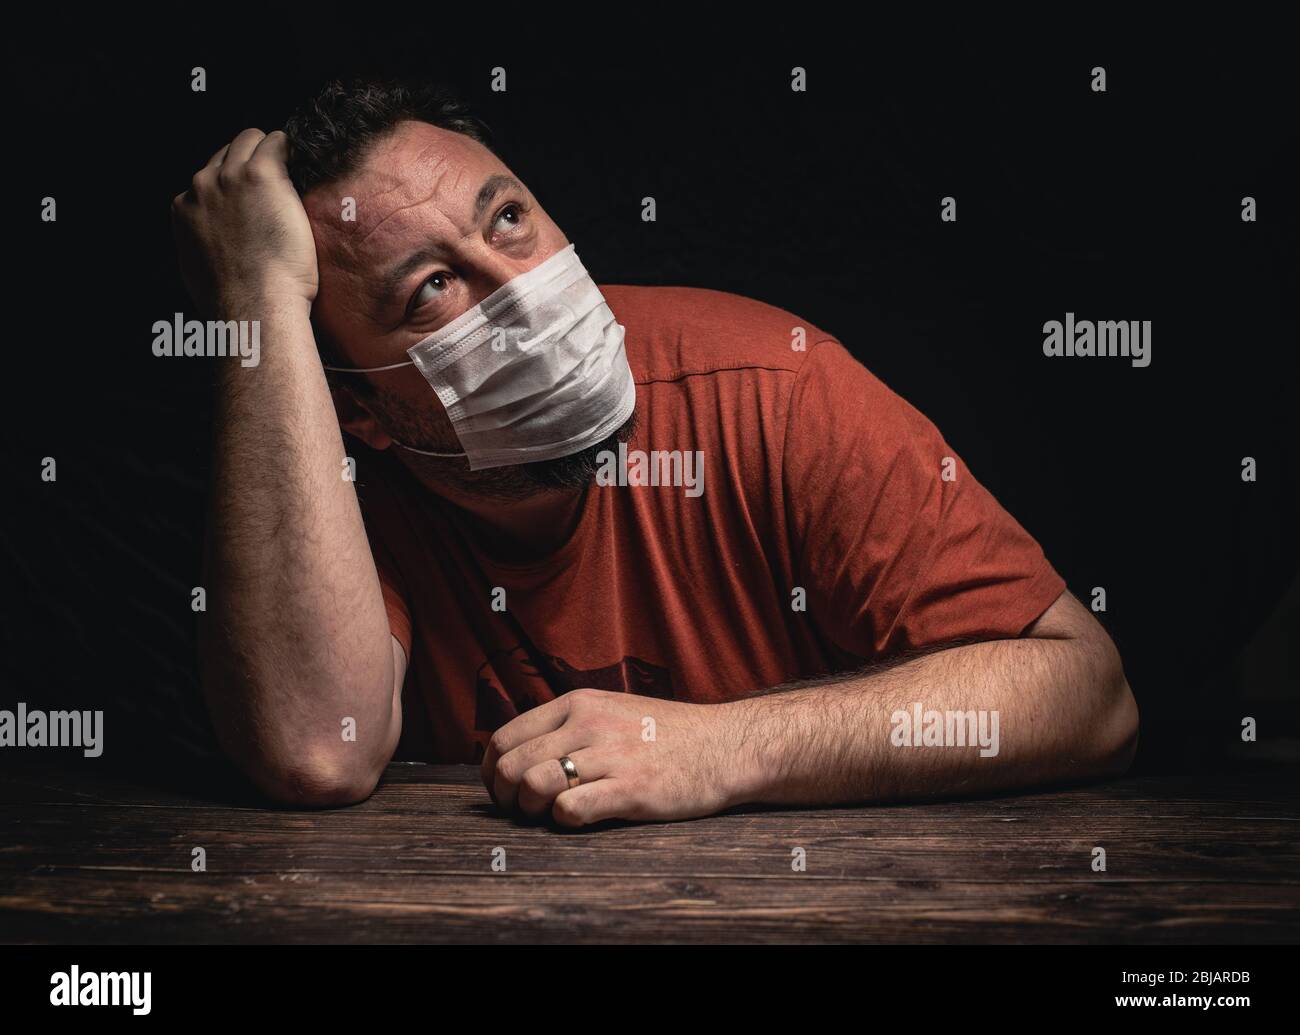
[(547, 780), (200, 183), (274, 147), (532, 723), (241, 148), (512, 766), (218, 157), (271, 157), (592, 802)]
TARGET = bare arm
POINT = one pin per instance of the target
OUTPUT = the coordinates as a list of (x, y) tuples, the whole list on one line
[(1064, 712), (296, 639)]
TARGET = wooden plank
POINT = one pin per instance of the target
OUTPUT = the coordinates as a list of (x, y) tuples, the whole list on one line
[(97, 857), (405, 786), (849, 845), (403, 907)]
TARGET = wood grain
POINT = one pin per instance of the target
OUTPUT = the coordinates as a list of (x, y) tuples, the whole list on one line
[(92, 859)]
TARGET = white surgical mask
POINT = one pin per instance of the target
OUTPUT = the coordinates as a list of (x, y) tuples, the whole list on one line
[(535, 371)]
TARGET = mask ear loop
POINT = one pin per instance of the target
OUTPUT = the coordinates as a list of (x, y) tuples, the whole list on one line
[(425, 452), (368, 370), (393, 366)]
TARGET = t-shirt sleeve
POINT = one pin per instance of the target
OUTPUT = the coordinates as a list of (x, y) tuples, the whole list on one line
[(898, 544)]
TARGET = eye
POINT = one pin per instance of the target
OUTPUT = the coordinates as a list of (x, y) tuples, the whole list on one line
[(430, 291), (508, 218)]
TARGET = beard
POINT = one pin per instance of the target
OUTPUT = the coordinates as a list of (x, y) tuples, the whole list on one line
[(429, 428)]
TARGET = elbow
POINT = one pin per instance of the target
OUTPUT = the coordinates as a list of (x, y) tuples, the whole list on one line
[(1115, 729), (298, 771), (319, 780), (289, 765)]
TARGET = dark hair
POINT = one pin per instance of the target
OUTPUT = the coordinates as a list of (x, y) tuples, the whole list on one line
[(330, 134)]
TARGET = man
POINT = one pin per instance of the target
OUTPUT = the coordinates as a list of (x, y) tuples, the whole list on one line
[(772, 581)]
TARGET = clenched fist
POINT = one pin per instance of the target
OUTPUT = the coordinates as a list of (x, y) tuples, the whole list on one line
[(241, 230), (638, 758)]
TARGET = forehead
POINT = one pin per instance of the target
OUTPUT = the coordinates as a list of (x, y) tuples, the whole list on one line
[(416, 179)]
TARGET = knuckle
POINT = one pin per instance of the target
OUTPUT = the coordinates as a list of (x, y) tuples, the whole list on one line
[(534, 782), (582, 698), (566, 812), (508, 770)]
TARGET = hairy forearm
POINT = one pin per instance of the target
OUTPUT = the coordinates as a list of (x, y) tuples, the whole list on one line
[(1060, 708), (296, 636)]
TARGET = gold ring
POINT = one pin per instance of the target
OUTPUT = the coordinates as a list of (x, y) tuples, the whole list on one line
[(570, 771)]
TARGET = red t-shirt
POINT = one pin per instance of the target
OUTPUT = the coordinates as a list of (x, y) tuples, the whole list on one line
[(816, 477)]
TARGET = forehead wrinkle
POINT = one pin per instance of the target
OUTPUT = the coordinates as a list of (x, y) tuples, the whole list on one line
[(435, 171), (396, 212), (429, 164)]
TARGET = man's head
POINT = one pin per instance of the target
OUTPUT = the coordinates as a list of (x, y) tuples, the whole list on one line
[(435, 224)]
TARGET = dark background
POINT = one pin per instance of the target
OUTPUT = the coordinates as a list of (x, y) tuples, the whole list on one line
[(1123, 205)]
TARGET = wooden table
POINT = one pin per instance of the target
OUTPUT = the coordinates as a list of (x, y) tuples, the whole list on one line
[(88, 858)]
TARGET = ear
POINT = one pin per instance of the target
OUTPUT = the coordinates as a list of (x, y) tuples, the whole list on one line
[(356, 419)]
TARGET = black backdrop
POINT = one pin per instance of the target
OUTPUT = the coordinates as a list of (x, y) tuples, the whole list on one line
[(1123, 205)]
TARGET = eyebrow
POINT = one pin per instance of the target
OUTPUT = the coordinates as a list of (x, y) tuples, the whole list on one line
[(391, 282), (492, 186)]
